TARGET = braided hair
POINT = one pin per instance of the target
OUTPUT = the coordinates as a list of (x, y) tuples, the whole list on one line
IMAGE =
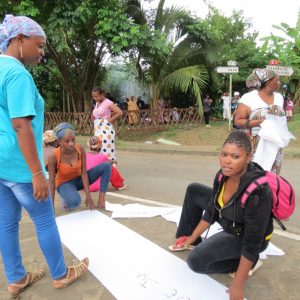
[(239, 138)]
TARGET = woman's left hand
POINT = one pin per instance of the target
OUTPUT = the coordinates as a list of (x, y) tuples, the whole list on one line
[(90, 203), (236, 293)]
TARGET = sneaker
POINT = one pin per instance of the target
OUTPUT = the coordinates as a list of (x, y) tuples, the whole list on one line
[(208, 126), (123, 187)]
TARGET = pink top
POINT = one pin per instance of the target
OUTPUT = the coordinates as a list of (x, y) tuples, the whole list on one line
[(289, 105), (92, 160), (102, 109)]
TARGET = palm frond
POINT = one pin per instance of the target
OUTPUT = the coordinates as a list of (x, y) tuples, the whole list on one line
[(192, 79), (134, 10)]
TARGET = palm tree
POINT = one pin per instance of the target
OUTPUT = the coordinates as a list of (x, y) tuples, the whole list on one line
[(287, 50), (178, 68)]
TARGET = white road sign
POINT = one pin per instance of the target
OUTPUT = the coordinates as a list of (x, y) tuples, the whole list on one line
[(280, 70), (227, 69)]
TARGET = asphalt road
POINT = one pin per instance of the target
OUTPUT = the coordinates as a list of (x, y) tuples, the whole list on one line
[(164, 178)]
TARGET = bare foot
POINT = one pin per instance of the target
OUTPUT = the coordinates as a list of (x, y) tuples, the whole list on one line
[(100, 205)]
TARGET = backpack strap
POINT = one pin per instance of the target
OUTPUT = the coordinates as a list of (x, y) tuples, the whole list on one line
[(251, 187)]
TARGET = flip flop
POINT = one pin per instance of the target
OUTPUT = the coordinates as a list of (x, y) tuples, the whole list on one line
[(174, 248)]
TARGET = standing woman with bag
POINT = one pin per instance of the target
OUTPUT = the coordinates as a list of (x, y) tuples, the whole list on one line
[(103, 121), (262, 100), (22, 172)]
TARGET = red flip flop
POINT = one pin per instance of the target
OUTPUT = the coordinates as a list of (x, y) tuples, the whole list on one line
[(180, 246)]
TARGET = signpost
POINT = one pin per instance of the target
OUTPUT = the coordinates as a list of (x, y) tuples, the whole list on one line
[(227, 70), (280, 70), (231, 69)]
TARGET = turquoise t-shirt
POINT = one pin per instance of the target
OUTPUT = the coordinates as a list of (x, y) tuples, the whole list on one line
[(19, 98)]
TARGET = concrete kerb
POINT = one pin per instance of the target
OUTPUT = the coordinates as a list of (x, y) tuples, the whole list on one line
[(185, 151), (169, 151)]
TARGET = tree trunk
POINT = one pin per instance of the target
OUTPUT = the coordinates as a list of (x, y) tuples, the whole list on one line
[(155, 94)]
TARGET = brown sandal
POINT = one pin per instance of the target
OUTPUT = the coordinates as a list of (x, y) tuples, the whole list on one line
[(79, 269), (16, 288)]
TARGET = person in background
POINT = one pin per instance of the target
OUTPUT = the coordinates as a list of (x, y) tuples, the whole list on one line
[(68, 173), (175, 115), (253, 106), (50, 142), (22, 173), (133, 111), (207, 101), (94, 158), (246, 230), (235, 101), (289, 108), (103, 121), (140, 102), (226, 106)]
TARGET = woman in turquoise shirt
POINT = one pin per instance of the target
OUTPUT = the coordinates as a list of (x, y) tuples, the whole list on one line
[(22, 174)]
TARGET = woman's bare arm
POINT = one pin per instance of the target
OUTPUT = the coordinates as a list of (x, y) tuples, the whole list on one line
[(242, 117), (27, 144), (117, 113), (85, 180)]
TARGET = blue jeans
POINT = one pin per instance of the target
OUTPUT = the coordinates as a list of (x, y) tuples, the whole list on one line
[(14, 196), (68, 191)]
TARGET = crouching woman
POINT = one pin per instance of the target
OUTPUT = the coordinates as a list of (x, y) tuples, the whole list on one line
[(68, 173), (246, 230)]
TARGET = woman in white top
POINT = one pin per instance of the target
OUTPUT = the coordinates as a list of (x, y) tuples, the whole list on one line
[(262, 100)]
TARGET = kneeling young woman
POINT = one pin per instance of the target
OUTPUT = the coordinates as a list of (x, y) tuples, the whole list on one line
[(68, 173), (246, 231)]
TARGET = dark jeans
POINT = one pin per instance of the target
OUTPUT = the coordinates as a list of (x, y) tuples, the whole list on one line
[(206, 117), (68, 191), (195, 202), (219, 253)]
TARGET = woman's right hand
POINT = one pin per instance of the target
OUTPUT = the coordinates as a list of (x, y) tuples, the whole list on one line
[(90, 203), (183, 241), (40, 187)]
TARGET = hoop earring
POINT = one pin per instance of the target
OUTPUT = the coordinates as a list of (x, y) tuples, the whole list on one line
[(21, 51)]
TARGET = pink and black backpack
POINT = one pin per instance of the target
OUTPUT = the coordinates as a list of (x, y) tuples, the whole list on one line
[(283, 195)]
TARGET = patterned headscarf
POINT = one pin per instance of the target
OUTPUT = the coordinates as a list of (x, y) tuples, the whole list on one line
[(49, 137), (258, 77), (61, 129), (13, 26), (94, 143)]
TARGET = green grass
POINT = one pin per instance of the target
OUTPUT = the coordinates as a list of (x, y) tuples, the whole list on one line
[(200, 136)]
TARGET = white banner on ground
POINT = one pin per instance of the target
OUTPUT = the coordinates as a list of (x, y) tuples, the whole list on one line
[(130, 266)]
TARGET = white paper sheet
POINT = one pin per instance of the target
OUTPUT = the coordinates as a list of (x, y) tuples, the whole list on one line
[(216, 227), (136, 210), (265, 154), (130, 266), (274, 134)]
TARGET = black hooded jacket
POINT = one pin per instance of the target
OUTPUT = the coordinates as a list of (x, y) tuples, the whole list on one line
[(254, 222)]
